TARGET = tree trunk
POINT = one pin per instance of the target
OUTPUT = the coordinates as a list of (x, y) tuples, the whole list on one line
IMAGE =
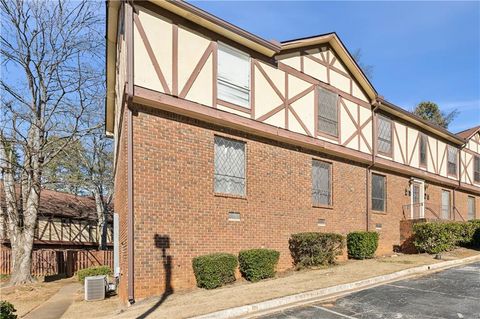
[(101, 220), (21, 260)]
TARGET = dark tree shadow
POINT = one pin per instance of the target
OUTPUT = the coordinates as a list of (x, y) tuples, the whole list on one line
[(162, 242)]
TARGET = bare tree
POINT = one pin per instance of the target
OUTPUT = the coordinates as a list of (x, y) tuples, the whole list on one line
[(366, 68), (51, 51)]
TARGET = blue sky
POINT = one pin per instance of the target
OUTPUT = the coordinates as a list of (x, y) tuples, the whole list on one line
[(419, 50)]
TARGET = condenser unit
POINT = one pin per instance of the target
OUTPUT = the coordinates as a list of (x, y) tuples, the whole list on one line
[(95, 287)]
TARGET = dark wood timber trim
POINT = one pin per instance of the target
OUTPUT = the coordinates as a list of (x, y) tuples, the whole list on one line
[(252, 88), (197, 70), (233, 106), (312, 80), (215, 75), (287, 106), (151, 54), (175, 59), (272, 84), (404, 160)]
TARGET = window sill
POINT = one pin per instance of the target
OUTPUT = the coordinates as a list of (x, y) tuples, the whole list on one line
[(377, 212), (323, 206), (230, 196)]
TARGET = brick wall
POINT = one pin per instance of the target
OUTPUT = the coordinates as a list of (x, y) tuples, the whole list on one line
[(178, 216)]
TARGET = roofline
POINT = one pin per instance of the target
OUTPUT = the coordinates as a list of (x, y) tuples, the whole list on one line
[(218, 25), (336, 43), (415, 119), (474, 129)]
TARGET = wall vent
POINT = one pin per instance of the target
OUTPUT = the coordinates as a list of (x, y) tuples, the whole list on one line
[(378, 226), (321, 222), (234, 216)]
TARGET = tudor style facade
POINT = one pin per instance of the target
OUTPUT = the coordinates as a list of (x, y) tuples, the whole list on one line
[(225, 141)]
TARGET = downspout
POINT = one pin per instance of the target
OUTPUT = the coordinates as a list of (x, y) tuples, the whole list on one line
[(129, 92), (374, 150), (459, 180)]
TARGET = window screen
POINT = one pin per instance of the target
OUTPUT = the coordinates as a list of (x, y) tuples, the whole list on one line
[(423, 150), (445, 204), (476, 169), (233, 82), (384, 135), (452, 160), (327, 112), (229, 166), (378, 192), (321, 183), (471, 207)]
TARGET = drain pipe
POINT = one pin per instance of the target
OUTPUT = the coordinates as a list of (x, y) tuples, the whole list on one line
[(374, 149), (130, 208)]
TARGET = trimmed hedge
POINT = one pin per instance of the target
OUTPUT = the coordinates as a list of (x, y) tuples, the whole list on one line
[(214, 270), (362, 244), (315, 249), (258, 264), (93, 271), (7, 311), (437, 237)]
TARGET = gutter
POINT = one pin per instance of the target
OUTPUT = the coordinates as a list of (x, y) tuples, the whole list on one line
[(374, 150)]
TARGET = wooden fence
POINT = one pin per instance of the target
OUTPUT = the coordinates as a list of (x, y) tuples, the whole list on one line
[(46, 262)]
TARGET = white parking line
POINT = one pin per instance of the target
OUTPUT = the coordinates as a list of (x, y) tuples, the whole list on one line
[(432, 291), (334, 312)]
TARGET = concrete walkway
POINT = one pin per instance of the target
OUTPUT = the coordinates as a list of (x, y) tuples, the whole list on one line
[(54, 307)]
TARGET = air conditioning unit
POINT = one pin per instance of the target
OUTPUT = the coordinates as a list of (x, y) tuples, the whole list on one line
[(95, 287)]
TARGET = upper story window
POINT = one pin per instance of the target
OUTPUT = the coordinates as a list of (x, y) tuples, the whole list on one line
[(378, 192), (452, 160), (476, 169), (327, 112), (423, 150), (384, 135), (229, 166), (321, 183), (233, 81)]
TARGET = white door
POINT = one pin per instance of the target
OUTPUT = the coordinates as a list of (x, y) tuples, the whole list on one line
[(417, 199)]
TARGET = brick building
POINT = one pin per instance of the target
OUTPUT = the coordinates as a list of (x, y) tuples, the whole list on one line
[(225, 141)]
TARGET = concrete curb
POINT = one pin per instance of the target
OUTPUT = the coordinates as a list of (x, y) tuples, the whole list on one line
[(323, 293)]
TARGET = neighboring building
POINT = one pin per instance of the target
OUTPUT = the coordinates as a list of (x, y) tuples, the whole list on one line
[(225, 141), (65, 221)]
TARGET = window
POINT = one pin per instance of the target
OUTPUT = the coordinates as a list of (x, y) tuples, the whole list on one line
[(471, 207), (321, 183), (327, 112), (445, 204), (452, 161), (423, 150), (229, 166), (233, 81), (378, 192), (384, 135), (476, 169)]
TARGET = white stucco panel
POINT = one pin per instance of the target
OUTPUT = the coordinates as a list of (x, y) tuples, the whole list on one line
[(305, 111), (339, 81), (265, 97), (202, 89), (278, 119), (315, 69), (191, 47)]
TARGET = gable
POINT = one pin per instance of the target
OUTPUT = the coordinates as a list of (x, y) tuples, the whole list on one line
[(326, 59)]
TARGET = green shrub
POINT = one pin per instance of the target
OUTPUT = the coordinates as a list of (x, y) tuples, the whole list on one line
[(362, 244), (438, 237), (7, 310), (93, 271), (214, 270), (315, 249), (475, 240), (257, 264)]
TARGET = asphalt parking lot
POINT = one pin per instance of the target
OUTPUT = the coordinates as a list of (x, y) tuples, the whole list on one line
[(453, 293)]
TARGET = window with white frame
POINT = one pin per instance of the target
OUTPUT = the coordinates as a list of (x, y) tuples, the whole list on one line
[(384, 135), (378, 192), (229, 166), (327, 112), (423, 150), (452, 160), (321, 183), (471, 208), (233, 81), (476, 169)]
